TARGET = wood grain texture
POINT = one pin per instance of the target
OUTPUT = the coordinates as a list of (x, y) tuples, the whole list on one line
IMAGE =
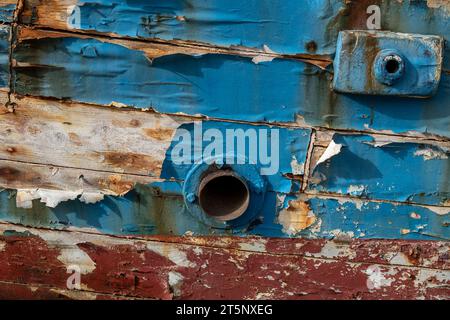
[(87, 68), (229, 23), (89, 137), (20, 175), (148, 269)]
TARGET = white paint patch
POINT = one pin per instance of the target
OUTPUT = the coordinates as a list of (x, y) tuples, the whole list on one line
[(75, 256), (400, 259), (2, 245), (297, 168), (254, 245), (355, 190), (376, 278), (175, 282), (332, 249), (356, 202), (91, 197), (262, 58), (431, 154), (267, 57), (342, 234), (433, 278), (52, 198), (442, 211), (173, 254), (379, 142), (332, 150)]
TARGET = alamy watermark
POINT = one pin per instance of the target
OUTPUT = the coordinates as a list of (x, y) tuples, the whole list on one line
[(73, 17), (374, 20), (74, 280), (237, 146)]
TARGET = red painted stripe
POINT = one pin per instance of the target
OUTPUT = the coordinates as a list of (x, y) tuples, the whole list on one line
[(151, 269)]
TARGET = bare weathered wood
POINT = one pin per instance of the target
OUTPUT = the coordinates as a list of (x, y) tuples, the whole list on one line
[(19, 175), (83, 136)]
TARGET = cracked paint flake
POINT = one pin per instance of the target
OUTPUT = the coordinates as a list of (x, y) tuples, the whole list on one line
[(377, 278), (296, 217), (178, 257), (355, 190), (254, 245), (332, 250), (74, 256), (431, 153), (52, 198), (298, 168), (175, 282), (332, 150)]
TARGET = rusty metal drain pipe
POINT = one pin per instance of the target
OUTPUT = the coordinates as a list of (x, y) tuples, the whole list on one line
[(223, 194)]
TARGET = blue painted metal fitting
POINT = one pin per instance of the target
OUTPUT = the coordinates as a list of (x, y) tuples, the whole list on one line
[(224, 194), (387, 63), (389, 67)]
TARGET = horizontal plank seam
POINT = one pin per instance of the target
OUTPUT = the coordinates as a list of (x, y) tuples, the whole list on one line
[(48, 286), (190, 245), (352, 197), (309, 193), (85, 169), (431, 138), (214, 49)]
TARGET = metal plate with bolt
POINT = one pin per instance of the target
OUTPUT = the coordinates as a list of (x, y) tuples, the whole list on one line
[(387, 63)]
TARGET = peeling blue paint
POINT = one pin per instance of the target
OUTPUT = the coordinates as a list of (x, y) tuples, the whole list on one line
[(4, 56), (379, 220), (292, 144), (147, 211), (7, 12), (221, 86), (406, 172), (252, 23), (283, 26)]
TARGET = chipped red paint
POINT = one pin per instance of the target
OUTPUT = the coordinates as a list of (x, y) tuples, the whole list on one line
[(212, 269), (17, 291), (430, 254)]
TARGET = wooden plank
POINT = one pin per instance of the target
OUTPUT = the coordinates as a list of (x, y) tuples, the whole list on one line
[(147, 269), (283, 28), (429, 254), (49, 145), (159, 209), (89, 137), (19, 175), (124, 141), (413, 170), (89, 69), (19, 291)]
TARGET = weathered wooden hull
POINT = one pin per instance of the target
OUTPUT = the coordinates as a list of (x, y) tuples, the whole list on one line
[(95, 95)]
